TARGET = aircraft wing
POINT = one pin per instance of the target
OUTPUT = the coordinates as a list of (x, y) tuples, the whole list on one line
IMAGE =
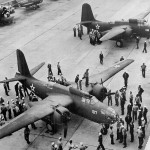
[(38, 111), (108, 73), (113, 32)]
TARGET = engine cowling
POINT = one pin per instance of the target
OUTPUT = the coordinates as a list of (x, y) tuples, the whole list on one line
[(99, 92), (64, 113)]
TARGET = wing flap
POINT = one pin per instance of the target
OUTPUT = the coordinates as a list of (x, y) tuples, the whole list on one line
[(33, 114), (108, 73), (112, 33)]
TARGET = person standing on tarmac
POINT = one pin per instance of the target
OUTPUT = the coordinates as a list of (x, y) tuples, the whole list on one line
[(100, 140), (112, 135), (59, 68), (77, 81), (101, 57), (125, 76), (26, 134), (7, 83), (137, 42), (74, 31), (117, 98), (140, 136), (132, 131), (145, 46), (5, 88), (143, 68), (86, 76)]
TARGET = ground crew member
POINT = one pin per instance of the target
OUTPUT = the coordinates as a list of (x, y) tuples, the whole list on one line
[(125, 76), (100, 140), (59, 143), (143, 68), (144, 49), (3, 111), (117, 98), (80, 84), (59, 68), (137, 42), (139, 117), (79, 33), (77, 81), (49, 70), (26, 134), (122, 103), (134, 112), (9, 110), (121, 59), (112, 135), (74, 31), (101, 57), (120, 133), (140, 136), (71, 145), (143, 126), (118, 127), (86, 76), (82, 147), (129, 109), (128, 120), (16, 88), (124, 137), (131, 98), (140, 91), (145, 110), (7, 83), (138, 101), (5, 88), (132, 131), (109, 98), (20, 91), (53, 146)]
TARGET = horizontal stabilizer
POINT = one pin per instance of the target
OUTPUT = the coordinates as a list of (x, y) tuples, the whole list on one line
[(35, 69), (13, 79)]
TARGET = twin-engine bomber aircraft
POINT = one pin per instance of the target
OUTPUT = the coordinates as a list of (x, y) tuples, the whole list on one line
[(118, 30), (58, 100)]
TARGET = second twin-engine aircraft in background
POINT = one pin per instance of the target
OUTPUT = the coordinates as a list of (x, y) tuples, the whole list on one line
[(117, 30)]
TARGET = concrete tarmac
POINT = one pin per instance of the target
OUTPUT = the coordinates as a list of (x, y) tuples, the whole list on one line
[(46, 35)]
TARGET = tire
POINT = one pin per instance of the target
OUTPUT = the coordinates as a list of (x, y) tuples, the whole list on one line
[(119, 43)]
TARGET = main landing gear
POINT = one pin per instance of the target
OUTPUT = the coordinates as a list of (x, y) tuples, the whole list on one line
[(119, 43)]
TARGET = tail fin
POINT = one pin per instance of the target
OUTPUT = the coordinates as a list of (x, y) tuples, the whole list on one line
[(87, 14), (22, 64)]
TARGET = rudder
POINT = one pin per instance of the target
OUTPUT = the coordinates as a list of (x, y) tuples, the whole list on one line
[(22, 64), (87, 14)]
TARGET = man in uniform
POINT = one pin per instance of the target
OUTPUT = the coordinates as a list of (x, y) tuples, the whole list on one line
[(59, 68), (80, 84), (132, 131), (128, 120), (59, 143), (144, 49), (140, 91), (124, 132), (112, 135), (117, 98), (109, 98), (143, 68), (74, 31), (7, 83), (101, 57), (140, 136), (131, 98), (122, 103), (125, 76), (145, 110), (137, 42), (5, 88), (77, 81), (16, 88), (4, 111), (26, 134), (129, 109), (86, 76), (100, 140), (143, 126)]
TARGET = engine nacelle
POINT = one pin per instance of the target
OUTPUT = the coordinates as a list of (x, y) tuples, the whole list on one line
[(99, 92), (64, 113)]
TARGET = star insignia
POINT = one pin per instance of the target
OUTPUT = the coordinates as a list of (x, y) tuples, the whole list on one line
[(32, 88), (97, 27)]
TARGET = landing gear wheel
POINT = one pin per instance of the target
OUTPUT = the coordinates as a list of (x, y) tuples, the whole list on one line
[(119, 43)]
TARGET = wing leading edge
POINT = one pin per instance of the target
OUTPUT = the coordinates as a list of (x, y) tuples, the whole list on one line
[(108, 73)]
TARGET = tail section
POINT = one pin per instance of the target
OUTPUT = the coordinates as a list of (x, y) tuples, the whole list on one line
[(22, 64), (87, 14)]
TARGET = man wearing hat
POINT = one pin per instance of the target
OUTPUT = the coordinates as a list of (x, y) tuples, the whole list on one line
[(143, 126), (59, 143), (145, 110), (144, 49), (77, 81), (140, 136), (53, 146), (100, 140), (125, 76)]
